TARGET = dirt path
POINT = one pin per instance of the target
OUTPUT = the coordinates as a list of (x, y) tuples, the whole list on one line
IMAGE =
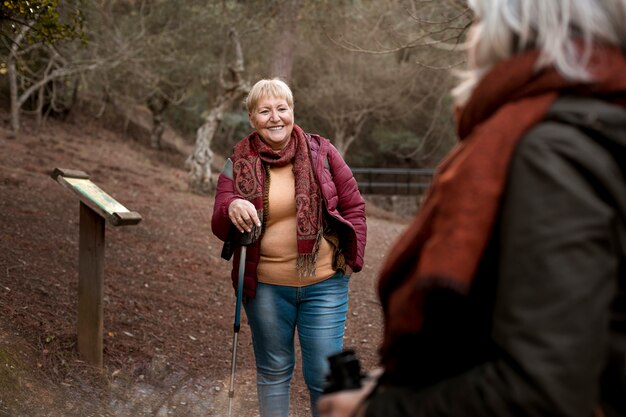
[(168, 303)]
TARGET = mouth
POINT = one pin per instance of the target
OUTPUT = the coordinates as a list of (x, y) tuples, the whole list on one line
[(275, 128)]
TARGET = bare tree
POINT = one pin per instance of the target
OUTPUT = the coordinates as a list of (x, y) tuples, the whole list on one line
[(234, 89), (356, 89), (385, 66), (153, 44), (29, 75), (28, 32)]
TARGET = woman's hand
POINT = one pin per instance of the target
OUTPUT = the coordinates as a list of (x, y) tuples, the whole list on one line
[(349, 403), (243, 215)]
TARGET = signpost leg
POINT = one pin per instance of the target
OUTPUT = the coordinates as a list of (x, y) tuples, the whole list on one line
[(90, 285)]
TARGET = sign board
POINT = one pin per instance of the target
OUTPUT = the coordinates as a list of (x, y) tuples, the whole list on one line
[(95, 197), (95, 206)]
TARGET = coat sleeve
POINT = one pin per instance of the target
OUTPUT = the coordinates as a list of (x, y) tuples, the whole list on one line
[(224, 195), (350, 203), (557, 276)]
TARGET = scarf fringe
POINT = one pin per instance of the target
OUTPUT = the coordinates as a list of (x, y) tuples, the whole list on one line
[(306, 262)]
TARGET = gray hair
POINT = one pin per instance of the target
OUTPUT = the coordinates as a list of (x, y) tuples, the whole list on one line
[(274, 87), (506, 27)]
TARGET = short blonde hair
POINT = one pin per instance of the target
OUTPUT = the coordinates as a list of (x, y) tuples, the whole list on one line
[(507, 27), (274, 87)]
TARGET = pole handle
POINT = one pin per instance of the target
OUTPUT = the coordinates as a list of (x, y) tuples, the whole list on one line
[(235, 237)]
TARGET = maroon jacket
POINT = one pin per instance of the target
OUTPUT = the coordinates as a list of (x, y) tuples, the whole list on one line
[(342, 202)]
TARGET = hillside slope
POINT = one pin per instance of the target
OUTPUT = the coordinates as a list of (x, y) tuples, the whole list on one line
[(169, 306)]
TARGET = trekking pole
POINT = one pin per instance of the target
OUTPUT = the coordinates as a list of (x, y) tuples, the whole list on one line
[(245, 240)]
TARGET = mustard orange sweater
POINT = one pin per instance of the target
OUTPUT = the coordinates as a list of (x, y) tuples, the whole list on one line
[(279, 249)]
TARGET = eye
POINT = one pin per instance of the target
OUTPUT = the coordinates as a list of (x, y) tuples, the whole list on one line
[(264, 112)]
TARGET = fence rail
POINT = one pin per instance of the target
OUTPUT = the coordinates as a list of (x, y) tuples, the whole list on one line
[(393, 181)]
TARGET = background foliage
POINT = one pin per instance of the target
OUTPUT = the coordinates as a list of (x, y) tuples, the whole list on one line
[(373, 76)]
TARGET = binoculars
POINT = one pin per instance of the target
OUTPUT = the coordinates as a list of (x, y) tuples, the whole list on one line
[(345, 372)]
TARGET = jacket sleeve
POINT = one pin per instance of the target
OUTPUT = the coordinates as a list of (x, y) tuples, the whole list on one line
[(557, 277), (350, 203), (224, 195)]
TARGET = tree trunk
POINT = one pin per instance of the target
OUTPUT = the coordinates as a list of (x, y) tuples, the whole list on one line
[(157, 106), (40, 103), (12, 71), (15, 108), (18, 100), (347, 142), (286, 46), (158, 127), (339, 140), (199, 163), (346, 133)]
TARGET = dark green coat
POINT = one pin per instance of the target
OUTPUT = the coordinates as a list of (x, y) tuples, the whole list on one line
[(543, 332)]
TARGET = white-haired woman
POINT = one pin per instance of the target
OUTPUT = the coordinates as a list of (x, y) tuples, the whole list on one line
[(507, 294), (296, 194)]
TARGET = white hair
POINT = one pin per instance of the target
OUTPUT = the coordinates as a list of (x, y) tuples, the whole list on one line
[(274, 87), (504, 28)]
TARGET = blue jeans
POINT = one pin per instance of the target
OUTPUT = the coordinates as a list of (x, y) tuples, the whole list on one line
[(318, 312)]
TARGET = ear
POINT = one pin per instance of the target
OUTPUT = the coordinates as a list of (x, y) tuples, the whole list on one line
[(251, 121)]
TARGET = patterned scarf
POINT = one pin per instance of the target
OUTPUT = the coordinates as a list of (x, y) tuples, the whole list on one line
[(444, 244), (251, 161)]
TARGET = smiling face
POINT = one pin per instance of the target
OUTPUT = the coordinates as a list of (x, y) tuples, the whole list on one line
[(273, 120)]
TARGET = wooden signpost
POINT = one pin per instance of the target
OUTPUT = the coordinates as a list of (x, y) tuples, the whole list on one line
[(95, 206)]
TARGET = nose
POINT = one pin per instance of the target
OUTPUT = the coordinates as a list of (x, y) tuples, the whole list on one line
[(274, 115)]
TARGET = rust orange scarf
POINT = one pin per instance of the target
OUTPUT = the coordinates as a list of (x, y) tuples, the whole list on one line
[(443, 245)]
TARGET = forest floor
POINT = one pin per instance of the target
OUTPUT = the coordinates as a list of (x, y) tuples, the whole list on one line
[(168, 303)]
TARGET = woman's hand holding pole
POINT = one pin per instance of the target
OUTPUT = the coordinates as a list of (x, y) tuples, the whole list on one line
[(243, 215)]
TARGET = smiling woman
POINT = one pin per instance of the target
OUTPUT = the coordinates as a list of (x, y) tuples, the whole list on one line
[(295, 194)]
